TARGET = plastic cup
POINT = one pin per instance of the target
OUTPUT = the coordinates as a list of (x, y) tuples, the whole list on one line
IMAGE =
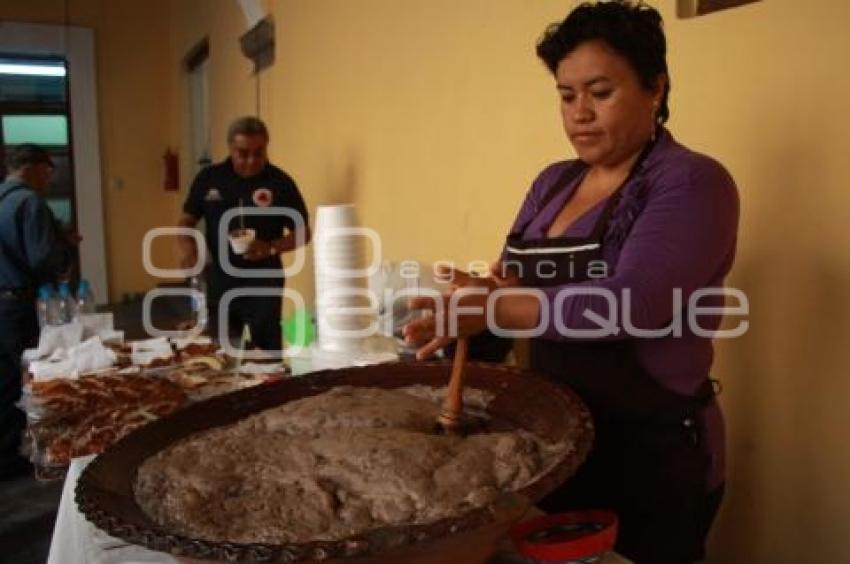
[(341, 215), (241, 239)]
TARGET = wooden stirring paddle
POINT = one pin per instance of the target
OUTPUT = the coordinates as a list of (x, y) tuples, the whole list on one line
[(451, 417)]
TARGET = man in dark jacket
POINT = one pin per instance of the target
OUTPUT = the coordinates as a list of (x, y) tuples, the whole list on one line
[(33, 251), (246, 180)]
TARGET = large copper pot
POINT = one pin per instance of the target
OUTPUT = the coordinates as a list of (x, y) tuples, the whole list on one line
[(522, 400)]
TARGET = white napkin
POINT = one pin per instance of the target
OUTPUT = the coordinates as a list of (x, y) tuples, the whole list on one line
[(57, 366), (92, 355), (112, 337), (144, 352), (99, 325), (199, 340), (54, 337), (88, 356)]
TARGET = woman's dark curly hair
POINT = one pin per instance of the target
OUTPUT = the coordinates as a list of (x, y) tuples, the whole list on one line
[(632, 29)]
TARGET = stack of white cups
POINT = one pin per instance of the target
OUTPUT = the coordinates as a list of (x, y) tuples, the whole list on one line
[(344, 312)]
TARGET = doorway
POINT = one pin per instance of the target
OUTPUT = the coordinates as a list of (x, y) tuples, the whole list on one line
[(197, 64)]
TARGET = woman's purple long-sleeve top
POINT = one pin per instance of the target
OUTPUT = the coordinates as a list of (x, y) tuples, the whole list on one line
[(675, 227)]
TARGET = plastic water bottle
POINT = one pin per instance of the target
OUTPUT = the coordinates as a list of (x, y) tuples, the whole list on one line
[(42, 305), (85, 298), (199, 302), (67, 303), (54, 308)]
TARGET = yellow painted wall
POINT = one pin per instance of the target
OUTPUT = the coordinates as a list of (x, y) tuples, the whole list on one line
[(761, 89), (434, 116), (132, 45)]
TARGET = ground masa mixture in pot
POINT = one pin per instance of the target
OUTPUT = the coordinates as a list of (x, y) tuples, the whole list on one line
[(334, 465)]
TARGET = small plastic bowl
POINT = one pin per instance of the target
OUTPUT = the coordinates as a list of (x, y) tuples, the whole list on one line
[(564, 538), (241, 239)]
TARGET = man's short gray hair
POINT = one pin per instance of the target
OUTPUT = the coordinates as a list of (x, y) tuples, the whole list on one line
[(247, 125)]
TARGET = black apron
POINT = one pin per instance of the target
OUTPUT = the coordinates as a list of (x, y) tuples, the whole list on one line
[(648, 462)]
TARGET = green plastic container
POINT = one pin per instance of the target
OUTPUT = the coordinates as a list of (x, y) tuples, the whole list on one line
[(298, 329)]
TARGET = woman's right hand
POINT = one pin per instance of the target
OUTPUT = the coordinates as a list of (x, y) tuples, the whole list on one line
[(424, 332), (444, 324)]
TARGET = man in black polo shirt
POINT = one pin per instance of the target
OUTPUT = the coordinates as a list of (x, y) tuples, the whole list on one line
[(33, 251), (245, 179)]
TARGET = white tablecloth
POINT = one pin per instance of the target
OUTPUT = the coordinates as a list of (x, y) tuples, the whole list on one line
[(76, 541)]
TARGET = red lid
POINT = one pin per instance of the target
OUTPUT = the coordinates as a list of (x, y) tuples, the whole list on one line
[(566, 536)]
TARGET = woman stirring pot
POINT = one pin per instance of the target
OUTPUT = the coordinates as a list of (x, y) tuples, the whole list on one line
[(641, 218)]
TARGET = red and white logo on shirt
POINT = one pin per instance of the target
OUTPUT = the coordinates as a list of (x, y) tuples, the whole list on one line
[(262, 197)]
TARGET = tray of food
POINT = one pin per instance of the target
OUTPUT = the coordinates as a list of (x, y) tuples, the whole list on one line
[(76, 416), (340, 464)]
